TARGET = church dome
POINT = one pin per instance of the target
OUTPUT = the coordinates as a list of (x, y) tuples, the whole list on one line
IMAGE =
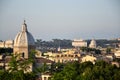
[(92, 44), (24, 38)]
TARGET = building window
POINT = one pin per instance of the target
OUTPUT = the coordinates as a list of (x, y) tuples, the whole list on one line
[(71, 55), (62, 60), (57, 55), (54, 60), (76, 56), (65, 55), (23, 54), (45, 78), (49, 78), (58, 60)]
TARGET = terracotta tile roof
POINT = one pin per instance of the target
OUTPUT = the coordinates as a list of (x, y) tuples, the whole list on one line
[(43, 60), (38, 60)]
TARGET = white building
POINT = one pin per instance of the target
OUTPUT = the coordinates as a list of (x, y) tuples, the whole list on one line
[(117, 54), (92, 44), (79, 43), (9, 44), (45, 76), (88, 58), (110, 56), (6, 44), (2, 44), (63, 57)]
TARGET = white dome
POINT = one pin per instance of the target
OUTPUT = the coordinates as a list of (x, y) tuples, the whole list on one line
[(24, 38), (92, 44)]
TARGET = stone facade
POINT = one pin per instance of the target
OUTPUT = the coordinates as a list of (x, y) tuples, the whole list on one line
[(89, 58), (63, 57), (79, 43), (23, 42), (6, 44), (92, 44)]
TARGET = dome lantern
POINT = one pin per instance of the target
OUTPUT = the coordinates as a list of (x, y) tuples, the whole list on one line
[(24, 26)]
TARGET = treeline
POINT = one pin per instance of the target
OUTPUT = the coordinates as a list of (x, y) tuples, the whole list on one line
[(92, 50), (20, 75), (6, 50), (107, 43), (65, 43), (18, 69), (55, 43), (61, 71), (87, 71)]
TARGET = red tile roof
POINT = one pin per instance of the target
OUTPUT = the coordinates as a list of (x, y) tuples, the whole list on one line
[(43, 60)]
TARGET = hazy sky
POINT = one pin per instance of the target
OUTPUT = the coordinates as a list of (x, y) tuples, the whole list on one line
[(63, 19)]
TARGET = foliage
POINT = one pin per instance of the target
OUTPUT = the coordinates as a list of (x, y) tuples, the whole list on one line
[(19, 75), (18, 69), (93, 50), (88, 71), (13, 64), (43, 68), (108, 50), (67, 71), (54, 43), (17, 64), (64, 43), (56, 67), (117, 60), (6, 50)]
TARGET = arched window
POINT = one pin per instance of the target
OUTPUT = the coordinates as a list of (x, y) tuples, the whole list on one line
[(57, 55), (69, 55), (65, 55), (76, 55), (23, 54)]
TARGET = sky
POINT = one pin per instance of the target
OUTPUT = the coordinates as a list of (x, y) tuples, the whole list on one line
[(61, 19)]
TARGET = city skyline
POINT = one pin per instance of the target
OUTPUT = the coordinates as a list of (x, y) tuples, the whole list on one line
[(50, 19)]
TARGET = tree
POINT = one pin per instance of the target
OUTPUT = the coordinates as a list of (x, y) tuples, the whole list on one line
[(87, 71), (6, 50), (16, 63), (108, 50), (42, 68), (56, 67), (13, 64), (18, 68)]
